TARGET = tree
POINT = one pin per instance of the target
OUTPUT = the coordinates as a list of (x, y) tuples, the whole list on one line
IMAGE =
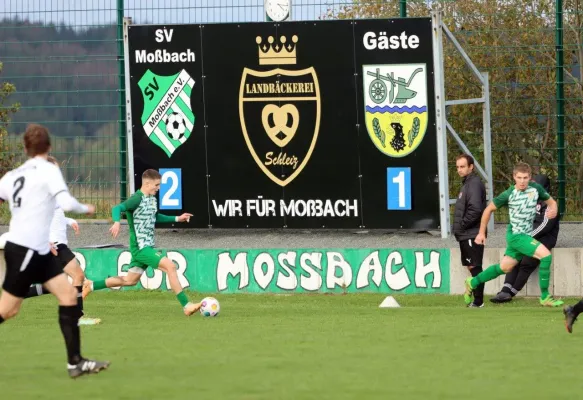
[(513, 40), (8, 156), (67, 78)]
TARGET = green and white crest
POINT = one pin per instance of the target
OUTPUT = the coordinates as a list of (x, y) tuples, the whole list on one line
[(167, 118)]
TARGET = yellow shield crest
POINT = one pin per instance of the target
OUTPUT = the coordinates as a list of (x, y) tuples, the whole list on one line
[(395, 99), (279, 112)]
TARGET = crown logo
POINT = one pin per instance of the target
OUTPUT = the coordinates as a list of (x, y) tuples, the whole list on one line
[(277, 53)]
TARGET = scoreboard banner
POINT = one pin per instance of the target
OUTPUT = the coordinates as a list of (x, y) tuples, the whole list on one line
[(327, 124)]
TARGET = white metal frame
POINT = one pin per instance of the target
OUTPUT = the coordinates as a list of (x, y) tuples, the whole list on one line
[(443, 126), (127, 21)]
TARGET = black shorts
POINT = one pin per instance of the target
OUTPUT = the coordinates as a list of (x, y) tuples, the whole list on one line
[(472, 253), (549, 241), (25, 267), (64, 255)]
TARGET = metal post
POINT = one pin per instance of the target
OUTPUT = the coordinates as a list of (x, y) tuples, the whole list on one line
[(560, 106), (440, 127), (403, 8), (123, 173), (487, 143), (128, 104)]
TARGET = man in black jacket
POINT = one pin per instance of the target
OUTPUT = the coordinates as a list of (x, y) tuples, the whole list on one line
[(468, 211), (545, 231)]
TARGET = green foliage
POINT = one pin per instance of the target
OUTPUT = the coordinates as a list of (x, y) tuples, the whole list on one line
[(514, 41), (379, 133), (67, 79), (414, 131), (8, 155)]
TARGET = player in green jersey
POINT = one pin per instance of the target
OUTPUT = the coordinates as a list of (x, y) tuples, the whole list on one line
[(142, 214), (521, 199)]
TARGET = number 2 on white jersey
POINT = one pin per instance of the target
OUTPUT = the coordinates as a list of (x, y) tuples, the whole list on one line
[(18, 185)]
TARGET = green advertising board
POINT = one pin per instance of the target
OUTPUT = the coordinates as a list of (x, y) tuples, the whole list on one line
[(407, 271)]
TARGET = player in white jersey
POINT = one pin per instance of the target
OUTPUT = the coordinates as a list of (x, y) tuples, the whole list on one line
[(65, 257), (33, 190)]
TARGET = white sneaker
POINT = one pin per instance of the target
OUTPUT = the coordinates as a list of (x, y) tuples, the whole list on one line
[(89, 321)]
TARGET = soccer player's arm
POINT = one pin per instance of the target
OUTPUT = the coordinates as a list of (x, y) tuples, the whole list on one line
[(129, 205), (490, 208), (549, 201), (73, 224), (4, 189), (541, 228), (163, 218), (495, 204), (58, 189)]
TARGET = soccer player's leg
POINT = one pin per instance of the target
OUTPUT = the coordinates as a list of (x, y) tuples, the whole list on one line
[(36, 290), (19, 275), (527, 266), (69, 315), (571, 313), (131, 279), (73, 269), (509, 261), (516, 280), (533, 248), (157, 259), (9, 305), (506, 293)]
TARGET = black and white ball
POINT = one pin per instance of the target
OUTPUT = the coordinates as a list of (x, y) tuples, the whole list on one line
[(175, 126)]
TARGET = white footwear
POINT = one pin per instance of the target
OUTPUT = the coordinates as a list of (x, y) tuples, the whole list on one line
[(191, 308), (89, 321)]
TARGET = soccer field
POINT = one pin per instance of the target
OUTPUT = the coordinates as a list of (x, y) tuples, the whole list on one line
[(295, 347)]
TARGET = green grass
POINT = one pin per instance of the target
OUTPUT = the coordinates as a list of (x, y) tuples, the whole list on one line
[(296, 347)]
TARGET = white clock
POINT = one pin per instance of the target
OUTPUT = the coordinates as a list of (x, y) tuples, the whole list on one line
[(277, 10)]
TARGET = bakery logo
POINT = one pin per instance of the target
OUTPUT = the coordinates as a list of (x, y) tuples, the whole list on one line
[(279, 110)]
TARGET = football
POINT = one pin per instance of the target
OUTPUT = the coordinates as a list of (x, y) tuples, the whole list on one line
[(175, 126), (210, 307)]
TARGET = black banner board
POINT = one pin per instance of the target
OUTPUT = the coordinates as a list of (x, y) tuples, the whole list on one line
[(326, 124)]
